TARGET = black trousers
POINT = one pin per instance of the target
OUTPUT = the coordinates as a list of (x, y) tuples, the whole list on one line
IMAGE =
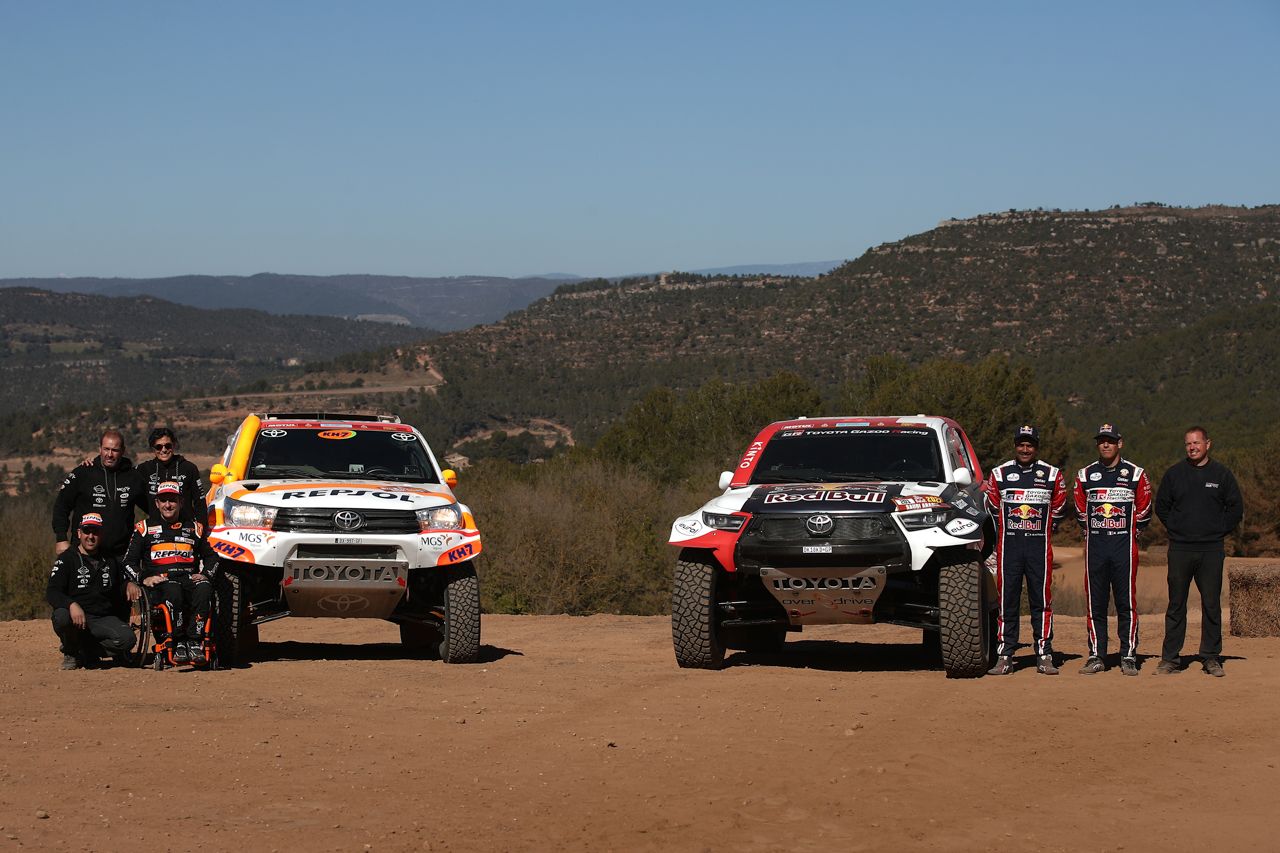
[(1205, 568), (181, 594), (112, 634)]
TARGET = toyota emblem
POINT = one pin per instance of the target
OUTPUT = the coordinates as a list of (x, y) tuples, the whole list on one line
[(343, 603), (820, 525), (345, 519)]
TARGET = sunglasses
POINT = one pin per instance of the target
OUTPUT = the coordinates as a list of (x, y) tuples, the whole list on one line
[(90, 531), (166, 446)]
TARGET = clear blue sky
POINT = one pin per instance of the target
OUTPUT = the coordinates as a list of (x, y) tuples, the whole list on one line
[(163, 138)]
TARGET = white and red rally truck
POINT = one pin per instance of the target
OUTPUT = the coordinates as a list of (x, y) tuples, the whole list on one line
[(343, 516), (840, 520)]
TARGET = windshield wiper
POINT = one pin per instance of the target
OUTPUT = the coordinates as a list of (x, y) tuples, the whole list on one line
[(286, 471)]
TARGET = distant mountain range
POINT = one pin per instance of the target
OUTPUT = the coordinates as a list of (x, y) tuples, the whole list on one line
[(444, 304), (71, 347)]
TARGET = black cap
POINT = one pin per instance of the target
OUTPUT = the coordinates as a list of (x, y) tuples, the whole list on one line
[(1108, 431), (1026, 432)]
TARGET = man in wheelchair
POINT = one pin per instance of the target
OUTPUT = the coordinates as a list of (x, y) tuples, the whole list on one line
[(172, 559)]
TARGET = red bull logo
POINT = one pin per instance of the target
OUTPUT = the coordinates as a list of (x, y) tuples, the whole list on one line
[(1108, 516), (1025, 517)]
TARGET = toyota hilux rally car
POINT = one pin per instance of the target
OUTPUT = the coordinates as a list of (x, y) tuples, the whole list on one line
[(840, 520), (346, 516)]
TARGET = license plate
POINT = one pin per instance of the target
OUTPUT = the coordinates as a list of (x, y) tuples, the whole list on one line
[(347, 540), (815, 549)]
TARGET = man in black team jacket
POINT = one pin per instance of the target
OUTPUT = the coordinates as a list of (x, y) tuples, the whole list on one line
[(171, 466), (1199, 503), (88, 594), (108, 487)]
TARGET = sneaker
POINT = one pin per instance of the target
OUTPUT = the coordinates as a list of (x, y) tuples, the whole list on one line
[(1004, 666), (1129, 666), (1167, 667), (181, 654), (1213, 666), (1093, 665), (195, 651), (70, 662), (1044, 665)]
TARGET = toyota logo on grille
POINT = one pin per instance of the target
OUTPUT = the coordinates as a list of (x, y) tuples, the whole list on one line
[(345, 519), (819, 525)]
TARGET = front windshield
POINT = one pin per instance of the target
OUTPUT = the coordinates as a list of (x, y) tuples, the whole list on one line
[(359, 454), (850, 454)]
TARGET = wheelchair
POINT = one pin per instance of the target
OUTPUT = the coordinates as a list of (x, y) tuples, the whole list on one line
[(151, 620)]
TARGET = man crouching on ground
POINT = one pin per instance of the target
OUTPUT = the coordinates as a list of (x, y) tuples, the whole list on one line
[(88, 593)]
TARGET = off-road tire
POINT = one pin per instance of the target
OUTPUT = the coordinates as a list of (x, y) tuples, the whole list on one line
[(694, 632), (235, 635), (460, 628), (964, 617)]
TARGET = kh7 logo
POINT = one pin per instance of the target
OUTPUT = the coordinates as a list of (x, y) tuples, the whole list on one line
[(227, 549), (460, 553)]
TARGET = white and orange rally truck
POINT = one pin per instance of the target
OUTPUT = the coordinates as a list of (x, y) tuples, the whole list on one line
[(346, 516)]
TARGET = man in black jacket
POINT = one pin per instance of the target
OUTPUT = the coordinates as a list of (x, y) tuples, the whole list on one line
[(108, 487), (1199, 503), (171, 466), (88, 594)]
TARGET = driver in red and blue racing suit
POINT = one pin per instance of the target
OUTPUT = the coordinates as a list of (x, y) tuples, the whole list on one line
[(1027, 499), (173, 557), (1113, 506)]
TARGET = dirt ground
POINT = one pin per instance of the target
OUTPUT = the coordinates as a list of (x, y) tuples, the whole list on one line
[(582, 734)]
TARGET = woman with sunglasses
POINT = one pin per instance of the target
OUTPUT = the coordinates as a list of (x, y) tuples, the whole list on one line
[(170, 466)]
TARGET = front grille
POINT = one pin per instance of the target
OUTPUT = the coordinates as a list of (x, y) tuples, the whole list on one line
[(848, 527), (300, 520)]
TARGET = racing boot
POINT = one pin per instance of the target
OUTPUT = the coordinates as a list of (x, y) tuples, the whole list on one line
[(1004, 666), (1045, 665), (1129, 666), (1093, 665)]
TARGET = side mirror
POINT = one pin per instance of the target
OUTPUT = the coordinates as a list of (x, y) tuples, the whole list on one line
[(962, 477), (219, 474), (726, 477), (450, 477)]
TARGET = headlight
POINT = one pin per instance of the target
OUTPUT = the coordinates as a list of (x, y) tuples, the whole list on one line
[(922, 520), (448, 517), (242, 514), (720, 521)]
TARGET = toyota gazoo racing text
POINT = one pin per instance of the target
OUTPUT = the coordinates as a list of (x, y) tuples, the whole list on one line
[(345, 516), (840, 520)]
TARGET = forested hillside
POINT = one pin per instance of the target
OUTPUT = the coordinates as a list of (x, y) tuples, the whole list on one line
[(68, 348), (1087, 298)]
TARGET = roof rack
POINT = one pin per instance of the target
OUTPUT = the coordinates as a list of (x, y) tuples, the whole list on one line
[(328, 416)]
